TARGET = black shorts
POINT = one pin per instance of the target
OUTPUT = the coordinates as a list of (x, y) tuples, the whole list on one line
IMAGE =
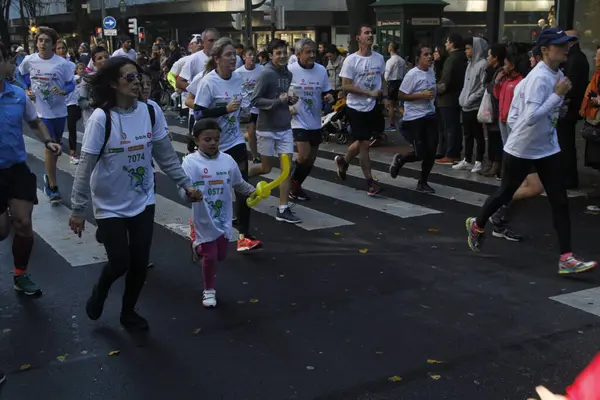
[(312, 136), (365, 124), (253, 118), (393, 89), (17, 182)]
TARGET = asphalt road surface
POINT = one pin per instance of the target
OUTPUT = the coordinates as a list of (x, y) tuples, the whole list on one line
[(370, 298)]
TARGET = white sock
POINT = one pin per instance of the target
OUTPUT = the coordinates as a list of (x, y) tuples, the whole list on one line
[(282, 208)]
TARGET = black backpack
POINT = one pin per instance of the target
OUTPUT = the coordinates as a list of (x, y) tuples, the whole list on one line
[(108, 125)]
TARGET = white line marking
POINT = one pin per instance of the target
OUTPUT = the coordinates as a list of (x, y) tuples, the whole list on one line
[(51, 223), (585, 300)]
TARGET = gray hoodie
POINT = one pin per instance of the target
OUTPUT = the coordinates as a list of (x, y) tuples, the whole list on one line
[(273, 114), (473, 89)]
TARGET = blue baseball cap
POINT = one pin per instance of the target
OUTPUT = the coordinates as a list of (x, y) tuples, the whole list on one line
[(553, 36)]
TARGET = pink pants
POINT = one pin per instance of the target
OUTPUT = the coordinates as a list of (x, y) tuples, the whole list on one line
[(211, 252)]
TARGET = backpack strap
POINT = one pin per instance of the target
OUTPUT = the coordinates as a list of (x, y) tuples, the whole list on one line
[(107, 129), (152, 114)]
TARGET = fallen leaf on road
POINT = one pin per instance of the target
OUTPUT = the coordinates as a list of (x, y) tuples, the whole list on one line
[(434, 362), (395, 378), (197, 331), (253, 300), (25, 367), (84, 352), (364, 251), (337, 234), (433, 230), (547, 234), (62, 358), (435, 377), (114, 353)]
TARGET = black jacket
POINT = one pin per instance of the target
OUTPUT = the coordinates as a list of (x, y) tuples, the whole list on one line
[(453, 77), (577, 69), (490, 78)]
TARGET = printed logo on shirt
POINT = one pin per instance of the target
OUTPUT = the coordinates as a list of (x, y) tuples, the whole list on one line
[(139, 179), (135, 148), (124, 136), (198, 183), (222, 173), (148, 135), (217, 182), (116, 150)]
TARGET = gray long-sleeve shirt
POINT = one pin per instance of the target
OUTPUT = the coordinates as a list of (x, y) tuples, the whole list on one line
[(273, 114), (162, 152)]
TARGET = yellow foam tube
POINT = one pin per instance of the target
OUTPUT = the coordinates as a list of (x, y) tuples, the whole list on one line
[(263, 189)]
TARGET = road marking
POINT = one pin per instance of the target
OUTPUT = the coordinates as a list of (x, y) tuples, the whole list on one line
[(350, 195), (51, 223), (585, 300)]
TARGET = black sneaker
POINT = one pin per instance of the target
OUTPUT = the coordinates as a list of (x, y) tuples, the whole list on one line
[(132, 320), (395, 166), (506, 233), (342, 167), (287, 216), (423, 187), (95, 304), (299, 195), (499, 217)]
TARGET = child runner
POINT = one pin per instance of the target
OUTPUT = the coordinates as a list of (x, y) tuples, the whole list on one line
[(74, 113), (214, 173)]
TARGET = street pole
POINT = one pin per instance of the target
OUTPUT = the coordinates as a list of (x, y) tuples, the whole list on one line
[(103, 14), (249, 22), (272, 19)]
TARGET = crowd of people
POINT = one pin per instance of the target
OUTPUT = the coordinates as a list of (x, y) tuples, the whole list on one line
[(518, 107)]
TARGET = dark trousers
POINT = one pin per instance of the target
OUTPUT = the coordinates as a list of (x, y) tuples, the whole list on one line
[(452, 131), (568, 151), (494, 143), (240, 155), (423, 134), (127, 242), (514, 171), (73, 115), (473, 131)]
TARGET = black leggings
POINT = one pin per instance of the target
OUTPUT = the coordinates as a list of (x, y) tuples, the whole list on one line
[(423, 133), (473, 131), (127, 242), (514, 171), (240, 155), (73, 115), (495, 146)]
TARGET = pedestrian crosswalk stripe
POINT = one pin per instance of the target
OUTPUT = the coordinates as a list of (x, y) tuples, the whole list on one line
[(584, 300), (51, 223)]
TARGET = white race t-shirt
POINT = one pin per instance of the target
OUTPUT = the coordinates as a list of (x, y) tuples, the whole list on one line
[(250, 78), (416, 81), (310, 84), (214, 91), (45, 75), (194, 66), (193, 88), (179, 64), (537, 140), (122, 53), (122, 182), (366, 73), (214, 177), (159, 115)]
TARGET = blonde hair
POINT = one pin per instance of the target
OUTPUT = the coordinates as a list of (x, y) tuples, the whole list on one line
[(217, 51)]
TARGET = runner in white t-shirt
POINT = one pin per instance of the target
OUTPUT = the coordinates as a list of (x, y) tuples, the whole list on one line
[(51, 78), (418, 91), (310, 83), (533, 142), (250, 72), (363, 79), (115, 173), (215, 174), (125, 51), (176, 69), (219, 96)]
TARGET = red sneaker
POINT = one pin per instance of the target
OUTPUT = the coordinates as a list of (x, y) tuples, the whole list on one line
[(247, 243)]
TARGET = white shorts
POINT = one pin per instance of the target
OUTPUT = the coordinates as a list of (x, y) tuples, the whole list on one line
[(270, 144)]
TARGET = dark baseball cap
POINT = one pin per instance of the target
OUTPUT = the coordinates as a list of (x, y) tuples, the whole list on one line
[(553, 36)]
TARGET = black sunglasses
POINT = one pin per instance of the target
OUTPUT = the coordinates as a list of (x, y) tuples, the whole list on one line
[(132, 77)]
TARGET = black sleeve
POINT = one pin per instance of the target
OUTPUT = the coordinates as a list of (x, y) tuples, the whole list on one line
[(215, 112)]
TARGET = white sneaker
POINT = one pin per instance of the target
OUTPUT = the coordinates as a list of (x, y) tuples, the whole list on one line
[(209, 298), (74, 160), (463, 165), (477, 167)]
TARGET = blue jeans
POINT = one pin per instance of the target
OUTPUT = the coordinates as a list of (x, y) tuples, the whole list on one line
[(452, 131)]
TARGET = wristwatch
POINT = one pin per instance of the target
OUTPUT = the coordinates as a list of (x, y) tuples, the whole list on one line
[(48, 141)]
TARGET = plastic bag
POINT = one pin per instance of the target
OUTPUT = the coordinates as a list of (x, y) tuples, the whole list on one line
[(485, 113)]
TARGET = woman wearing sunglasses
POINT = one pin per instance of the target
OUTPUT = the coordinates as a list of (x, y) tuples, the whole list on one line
[(118, 146)]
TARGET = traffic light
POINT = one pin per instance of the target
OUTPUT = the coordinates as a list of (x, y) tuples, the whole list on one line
[(33, 29), (133, 27), (98, 32), (142, 34)]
